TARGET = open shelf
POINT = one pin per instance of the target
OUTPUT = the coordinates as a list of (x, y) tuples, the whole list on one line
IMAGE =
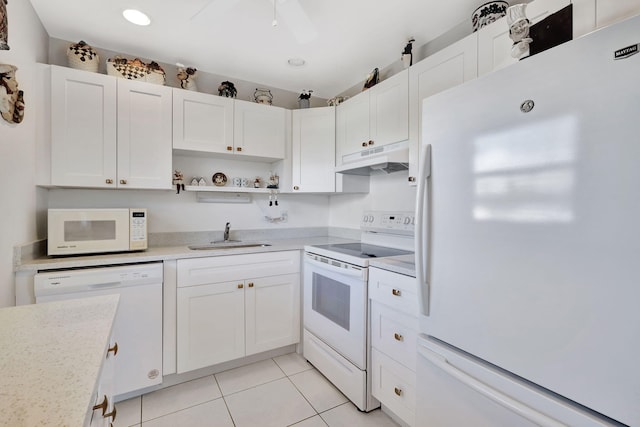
[(227, 189)]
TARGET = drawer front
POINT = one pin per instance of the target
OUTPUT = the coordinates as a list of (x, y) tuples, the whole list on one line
[(201, 271), (394, 386), (396, 290), (394, 333)]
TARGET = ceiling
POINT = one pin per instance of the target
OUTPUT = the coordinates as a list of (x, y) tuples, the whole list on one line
[(340, 40)]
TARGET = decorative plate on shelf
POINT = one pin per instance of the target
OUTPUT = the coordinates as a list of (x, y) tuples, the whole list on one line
[(219, 179)]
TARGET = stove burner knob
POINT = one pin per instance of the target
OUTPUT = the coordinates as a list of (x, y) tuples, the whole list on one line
[(371, 218), (407, 220)]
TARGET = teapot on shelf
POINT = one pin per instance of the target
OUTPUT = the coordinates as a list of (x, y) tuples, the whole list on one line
[(263, 96)]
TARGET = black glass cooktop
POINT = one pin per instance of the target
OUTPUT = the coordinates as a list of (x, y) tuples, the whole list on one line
[(363, 250)]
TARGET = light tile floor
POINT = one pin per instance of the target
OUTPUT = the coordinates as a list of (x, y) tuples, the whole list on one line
[(279, 392)]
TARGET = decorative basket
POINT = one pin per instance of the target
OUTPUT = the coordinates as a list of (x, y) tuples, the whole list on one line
[(136, 70), (81, 56), (488, 13)]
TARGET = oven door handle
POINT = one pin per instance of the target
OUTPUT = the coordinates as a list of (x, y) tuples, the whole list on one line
[(344, 269)]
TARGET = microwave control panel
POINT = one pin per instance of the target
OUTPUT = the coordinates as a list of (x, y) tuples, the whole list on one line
[(138, 228)]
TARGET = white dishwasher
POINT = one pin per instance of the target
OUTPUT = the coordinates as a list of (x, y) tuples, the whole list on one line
[(137, 329)]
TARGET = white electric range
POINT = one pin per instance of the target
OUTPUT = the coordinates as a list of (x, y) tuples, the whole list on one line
[(335, 311)]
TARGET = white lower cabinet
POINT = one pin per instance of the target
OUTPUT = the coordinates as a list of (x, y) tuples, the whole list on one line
[(229, 307), (103, 410), (394, 333)]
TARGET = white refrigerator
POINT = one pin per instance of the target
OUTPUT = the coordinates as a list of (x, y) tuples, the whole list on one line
[(528, 247)]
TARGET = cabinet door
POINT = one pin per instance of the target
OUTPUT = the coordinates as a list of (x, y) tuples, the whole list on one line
[(494, 44), (83, 128), (144, 135), (259, 130), (352, 126), (313, 150), (445, 69), (210, 325), (610, 11), (389, 110), (202, 122), (272, 312)]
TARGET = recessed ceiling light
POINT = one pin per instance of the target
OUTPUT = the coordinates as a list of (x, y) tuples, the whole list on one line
[(136, 17), (296, 62)]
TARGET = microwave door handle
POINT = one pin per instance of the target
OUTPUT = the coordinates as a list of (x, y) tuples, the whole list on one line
[(498, 397), (333, 268), (421, 229)]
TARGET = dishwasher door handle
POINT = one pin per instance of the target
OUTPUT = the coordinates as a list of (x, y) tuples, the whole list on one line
[(105, 285)]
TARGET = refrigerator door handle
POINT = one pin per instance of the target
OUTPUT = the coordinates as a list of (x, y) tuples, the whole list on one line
[(498, 397), (422, 221)]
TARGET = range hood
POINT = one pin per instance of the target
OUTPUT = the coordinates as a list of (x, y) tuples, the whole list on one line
[(377, 161)]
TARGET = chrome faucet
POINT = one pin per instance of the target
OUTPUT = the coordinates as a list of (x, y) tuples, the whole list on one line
[(226, 231)]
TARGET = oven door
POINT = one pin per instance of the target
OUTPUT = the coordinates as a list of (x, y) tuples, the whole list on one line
[(335, 301)]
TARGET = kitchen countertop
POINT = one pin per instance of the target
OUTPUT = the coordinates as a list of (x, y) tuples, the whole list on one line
[(51, 358), (402, 264), (170, 252)]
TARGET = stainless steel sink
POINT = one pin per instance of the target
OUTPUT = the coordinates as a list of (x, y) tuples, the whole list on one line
[(231, 244)]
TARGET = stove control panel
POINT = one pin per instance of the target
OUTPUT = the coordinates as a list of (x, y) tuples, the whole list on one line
[(388, 222)]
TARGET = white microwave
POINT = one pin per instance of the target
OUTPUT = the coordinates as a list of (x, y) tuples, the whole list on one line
[(87, 231)]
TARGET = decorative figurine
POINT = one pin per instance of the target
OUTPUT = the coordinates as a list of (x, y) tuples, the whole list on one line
[(372, 79), (304, 99), (81, 56), (11, 99), (187, 77), (4, 26), (336, 100), (227, 89), (407, 56), (263, 96), (519, 30), (178, 180), (257, 183)]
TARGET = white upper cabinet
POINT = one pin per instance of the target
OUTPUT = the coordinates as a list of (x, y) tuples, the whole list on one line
[(259, 130), (444, 69), (376, 117), (107, 132), (494, 44), (352, 125), (313, 150), (144, 135), (202, 122), (610, 11), (83, 128), (389, 110)]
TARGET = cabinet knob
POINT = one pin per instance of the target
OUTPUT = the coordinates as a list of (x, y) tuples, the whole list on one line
[(412, 179), (103, 405), (396, 292), (295, 187), (364, 144), (238, 148), (240, 286), (250, 284), (111, 414), (398, 391), (113, 349), (370, 142), (123, 181), (109, 181), (398, 337), (229, 148)]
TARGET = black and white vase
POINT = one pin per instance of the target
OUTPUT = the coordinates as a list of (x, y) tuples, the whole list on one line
[(4, 26)]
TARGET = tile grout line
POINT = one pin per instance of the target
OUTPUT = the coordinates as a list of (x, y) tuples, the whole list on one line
[(225, 402)]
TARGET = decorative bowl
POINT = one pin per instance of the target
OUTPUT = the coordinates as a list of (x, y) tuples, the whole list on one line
[(488, 13)]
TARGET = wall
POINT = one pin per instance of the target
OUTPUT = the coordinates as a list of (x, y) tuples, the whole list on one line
[(20, 198), (387, 193)]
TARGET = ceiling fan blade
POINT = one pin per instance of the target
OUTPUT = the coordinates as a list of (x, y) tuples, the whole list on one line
[(214, 7), (297, 20)]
